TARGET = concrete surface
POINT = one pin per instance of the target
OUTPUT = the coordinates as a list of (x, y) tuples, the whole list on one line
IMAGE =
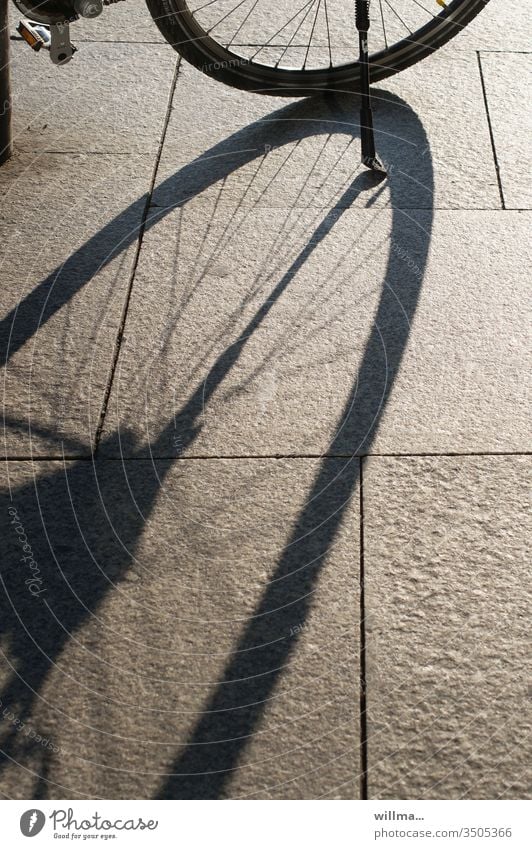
[(125, 114), (447, 636), (409, 122), (124, 655), (285, 363), (506, 76), (65, 276), (208, 314)]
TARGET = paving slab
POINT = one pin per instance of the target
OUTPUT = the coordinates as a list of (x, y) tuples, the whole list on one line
[(131, 21), (128, 21), (500, 26), (508, 80), (103, 101), (212, 126), (69, 227), (294, 36), (162, 648), (298, 332), (447, 601)]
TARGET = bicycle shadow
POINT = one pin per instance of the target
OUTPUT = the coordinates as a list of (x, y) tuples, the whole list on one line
[(86, 519), (320, 115)]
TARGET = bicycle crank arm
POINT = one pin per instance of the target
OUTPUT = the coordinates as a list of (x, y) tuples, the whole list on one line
[(46, 23), (55, 38), (367, 133)]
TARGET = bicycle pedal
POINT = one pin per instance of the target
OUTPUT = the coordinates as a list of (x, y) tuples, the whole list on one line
[(55, 38), (35, 34)]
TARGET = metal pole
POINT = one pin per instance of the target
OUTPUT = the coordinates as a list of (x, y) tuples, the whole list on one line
[(367, 135), (5, 88)]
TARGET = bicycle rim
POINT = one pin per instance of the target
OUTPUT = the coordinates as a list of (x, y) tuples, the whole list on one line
[(300, 47)]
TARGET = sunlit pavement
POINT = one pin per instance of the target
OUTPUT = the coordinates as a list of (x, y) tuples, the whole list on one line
[(266, 504)]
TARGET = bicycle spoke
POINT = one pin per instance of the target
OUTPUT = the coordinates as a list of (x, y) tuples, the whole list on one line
[(290, 44), (255, 4), (205, 5), (397, 15), (226, 16), (293, 18), (314, 34), (421, 6), (328, 35), (383, 24)]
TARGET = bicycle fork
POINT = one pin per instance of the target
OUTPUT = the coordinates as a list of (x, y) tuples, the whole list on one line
[(367, 135)]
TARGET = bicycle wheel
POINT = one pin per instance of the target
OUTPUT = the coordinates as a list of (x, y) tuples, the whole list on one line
[(298, 47)]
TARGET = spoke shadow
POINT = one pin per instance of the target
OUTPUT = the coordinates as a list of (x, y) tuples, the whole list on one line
[(91, 514), (203, 768), (321, 115)]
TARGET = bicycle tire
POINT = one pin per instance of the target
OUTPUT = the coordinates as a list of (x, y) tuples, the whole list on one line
[(178, 26)]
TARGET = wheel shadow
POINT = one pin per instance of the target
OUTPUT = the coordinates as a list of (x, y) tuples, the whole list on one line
[(86, 518)]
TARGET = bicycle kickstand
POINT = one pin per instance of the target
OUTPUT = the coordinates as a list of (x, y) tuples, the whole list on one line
[(367, 135)]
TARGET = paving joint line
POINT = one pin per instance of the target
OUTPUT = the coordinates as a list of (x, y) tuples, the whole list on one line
[(416, 208), (490, 128), (142, 230), (362, 649), (91, 152), (205, 457)]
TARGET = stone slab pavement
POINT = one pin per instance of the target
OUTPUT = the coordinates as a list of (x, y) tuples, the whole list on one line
[(265, 498)]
